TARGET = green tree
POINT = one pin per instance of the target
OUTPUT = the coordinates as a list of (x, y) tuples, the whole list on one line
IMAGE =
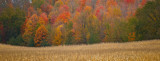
[(12, 19), (37, 3), (148, 26)]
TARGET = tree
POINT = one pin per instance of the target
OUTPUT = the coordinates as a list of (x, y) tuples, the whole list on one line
[(30, 12), (34, 19), (77, 28), (148, 21), (43, 19), (58, 36), (30, 29), (92, 26), (37, 3), (68, 34), (99, 11), (41, 35), (29, 32), (64, 17), (46, 7), (113, 10), (52, 17), (80, 25), (64, 8), (24, 26), (12, 19)]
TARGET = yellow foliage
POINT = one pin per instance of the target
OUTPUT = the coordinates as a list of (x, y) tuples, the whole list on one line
[(58, 35), (41, 21), (114, 12), (88, 8)]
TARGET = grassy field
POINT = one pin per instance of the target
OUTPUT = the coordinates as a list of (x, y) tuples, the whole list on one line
[(130, 51)]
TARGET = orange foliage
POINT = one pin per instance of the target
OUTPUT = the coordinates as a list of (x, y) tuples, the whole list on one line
[(28, 33), (23, 26), (88, 9), (64, 17), (76, 27), (74, 21), (131, 36), (64, 8), (111, 3), (30, 11), (9, 4), (40, 36), (34, 18), (43, 17), (98, 2), (82, 3)]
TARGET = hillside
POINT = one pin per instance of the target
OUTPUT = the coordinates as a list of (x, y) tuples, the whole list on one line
[(132, 51)]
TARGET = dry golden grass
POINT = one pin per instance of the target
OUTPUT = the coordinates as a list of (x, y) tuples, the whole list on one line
[(130, 51)]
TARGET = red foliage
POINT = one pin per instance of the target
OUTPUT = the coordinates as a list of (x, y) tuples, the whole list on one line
[(98, 12), (78, 9), (143, 2), (44, 17), (64, 8), (30, 11), (46, 7), (24, 26), (64, 17), (129, 1), (49, 8)]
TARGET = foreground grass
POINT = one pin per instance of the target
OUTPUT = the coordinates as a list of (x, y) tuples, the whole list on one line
[(131, 51)]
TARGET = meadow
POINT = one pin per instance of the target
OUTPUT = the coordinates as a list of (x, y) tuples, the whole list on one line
[(130, 51)]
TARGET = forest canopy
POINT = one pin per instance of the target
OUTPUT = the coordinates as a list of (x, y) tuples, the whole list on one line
[(64, 22)]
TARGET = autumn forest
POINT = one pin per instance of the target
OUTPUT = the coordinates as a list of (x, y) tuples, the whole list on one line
[(38, 23)]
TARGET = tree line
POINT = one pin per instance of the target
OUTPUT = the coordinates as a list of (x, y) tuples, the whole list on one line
[(65, 22)]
